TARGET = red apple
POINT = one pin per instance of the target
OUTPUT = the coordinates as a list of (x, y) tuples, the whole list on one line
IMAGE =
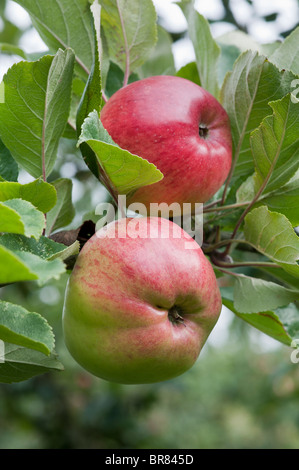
[(139, 309), (178, 126)]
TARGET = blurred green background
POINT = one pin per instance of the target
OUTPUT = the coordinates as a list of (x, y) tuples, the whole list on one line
[(242, 393)]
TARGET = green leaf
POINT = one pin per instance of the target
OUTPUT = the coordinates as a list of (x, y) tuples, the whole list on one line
[(8, 166), (240, 40), (278, 327), (68, 251), (92, 95), (227, 58), (160, 60), (62, 24), (44, 247), (190, 72), (24, 266), (63, 212), (9, 31), (12, 49), (283, 277), (21, 363), (2, 92), (246, 192), (286, 56), (253, 295), (244, 42), (130, 31), (2, 8), (100, 42), (35, 111), (289, 316), (115, 79), (135, 171), (42, 195), (272, 234), (19, 216), (245, 95), (45, 270), (268, 48), (275, 145), (284, 200), (13, 269), (78, 86), (206, 49), (27, 329)]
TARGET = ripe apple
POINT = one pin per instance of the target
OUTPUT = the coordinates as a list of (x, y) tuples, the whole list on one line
[(178, 126), (139, 309)]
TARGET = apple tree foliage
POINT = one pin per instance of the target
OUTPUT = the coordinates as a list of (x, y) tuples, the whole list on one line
[(94, 48)]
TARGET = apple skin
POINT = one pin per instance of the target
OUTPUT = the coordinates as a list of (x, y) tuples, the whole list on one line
[(116, 319), (158, 118)]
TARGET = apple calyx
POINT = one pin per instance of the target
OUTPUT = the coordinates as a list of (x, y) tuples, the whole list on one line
[(203, 131), (175, 315)]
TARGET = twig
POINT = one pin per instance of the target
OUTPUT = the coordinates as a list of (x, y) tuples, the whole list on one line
[(211, 248), (224, 208), (230, 273), (211, 204), (249, 264)]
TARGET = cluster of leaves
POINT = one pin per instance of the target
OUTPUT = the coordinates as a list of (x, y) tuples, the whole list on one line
[(96, 47)]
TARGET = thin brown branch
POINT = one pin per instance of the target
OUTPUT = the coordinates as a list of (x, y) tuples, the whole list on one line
[(224, 208)]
